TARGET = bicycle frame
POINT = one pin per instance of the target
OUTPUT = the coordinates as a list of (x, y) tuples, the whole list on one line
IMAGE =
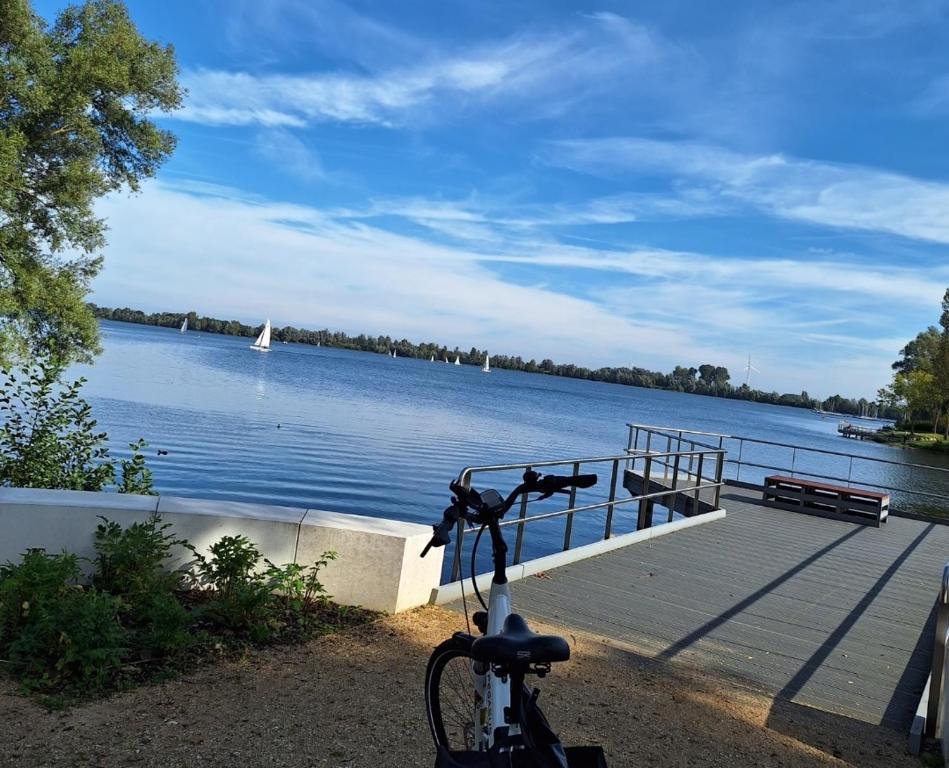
[(495, 692)]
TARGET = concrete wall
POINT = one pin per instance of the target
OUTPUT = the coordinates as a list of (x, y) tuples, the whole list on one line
[(378, 566)]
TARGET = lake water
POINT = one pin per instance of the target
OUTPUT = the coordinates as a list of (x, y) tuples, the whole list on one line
[(367, 434)]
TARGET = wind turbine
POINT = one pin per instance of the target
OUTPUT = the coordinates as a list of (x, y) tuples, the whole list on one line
[(748, 369)]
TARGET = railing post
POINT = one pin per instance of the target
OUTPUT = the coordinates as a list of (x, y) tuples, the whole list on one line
[(568, 529), (644, 518), (850, 471), (520, 529), (665, 464), (609, 510), (719, 471), (741, 448), (793, 459), (698, 486), (934, 706), (675, 480), (456, 559)]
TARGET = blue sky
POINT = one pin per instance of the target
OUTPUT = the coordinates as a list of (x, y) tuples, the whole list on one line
[(646, 183)]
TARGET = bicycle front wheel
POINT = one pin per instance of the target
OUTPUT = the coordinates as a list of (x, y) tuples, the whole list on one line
[(452, 700)]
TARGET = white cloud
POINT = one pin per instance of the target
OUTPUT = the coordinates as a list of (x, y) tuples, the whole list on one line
[(550, 71), (226, 254), (836, 195)]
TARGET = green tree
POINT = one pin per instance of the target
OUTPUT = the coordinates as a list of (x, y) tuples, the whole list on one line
[(76, 99), (920, 391)]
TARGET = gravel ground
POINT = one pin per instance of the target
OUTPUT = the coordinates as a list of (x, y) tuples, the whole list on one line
[(355, 699)]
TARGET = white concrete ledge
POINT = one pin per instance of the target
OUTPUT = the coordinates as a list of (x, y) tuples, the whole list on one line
[(447, 593), (918, 727), (378, 566)]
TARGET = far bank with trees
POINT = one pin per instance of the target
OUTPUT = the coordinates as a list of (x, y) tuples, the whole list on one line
[(705, 379)]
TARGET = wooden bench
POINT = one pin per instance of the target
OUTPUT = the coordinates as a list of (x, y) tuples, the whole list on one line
[(834, 501)]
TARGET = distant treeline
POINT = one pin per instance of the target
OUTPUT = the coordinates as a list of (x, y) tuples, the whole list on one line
[(706, 379)]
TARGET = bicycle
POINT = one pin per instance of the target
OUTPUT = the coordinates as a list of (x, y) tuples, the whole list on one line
[(481, 713)]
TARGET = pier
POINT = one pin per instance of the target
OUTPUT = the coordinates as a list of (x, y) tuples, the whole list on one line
[(828, 617), (856, 433), (817, 613)]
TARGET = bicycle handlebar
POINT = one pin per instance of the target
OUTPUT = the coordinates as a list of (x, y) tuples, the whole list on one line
[(468, 498)]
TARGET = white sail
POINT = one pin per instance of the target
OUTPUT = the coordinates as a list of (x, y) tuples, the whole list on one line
[(487, 364), (446, 358), (394, 354), (433, 359), (184, 326), (263, 341), (457, 360)]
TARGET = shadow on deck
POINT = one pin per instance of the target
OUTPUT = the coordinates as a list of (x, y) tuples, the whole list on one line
[(830, 618)]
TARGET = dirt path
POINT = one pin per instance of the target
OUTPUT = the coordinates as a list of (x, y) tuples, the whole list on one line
[(355, 700)]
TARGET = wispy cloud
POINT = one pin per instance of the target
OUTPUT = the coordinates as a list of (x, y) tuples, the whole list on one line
[(835, 195), (549, 70)]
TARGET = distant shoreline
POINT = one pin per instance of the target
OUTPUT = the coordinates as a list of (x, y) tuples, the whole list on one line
[(709, 380)]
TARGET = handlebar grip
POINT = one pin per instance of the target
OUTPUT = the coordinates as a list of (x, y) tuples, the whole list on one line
[(554, 483)]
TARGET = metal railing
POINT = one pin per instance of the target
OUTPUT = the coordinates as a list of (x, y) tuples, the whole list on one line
[(936, 705), (912, 481), (704, 473)]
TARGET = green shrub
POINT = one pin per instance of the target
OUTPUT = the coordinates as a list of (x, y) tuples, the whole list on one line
[(36, 581), (130, 564), (61, 637), (136, 477), (55, 633), (131, 560), (48, 438), (299, 589), (241, 599)]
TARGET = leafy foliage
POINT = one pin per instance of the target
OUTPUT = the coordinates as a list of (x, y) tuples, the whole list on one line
[(920, 386), (299, 588), (136, 477), (49, 438), (55, 633), (76, 101), (130, 564), (135, 618)]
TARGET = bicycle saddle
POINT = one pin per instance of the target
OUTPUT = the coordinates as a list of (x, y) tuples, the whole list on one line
[(516, 644)]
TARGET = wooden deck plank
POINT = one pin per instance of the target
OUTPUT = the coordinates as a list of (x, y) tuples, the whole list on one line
[(821, 612)]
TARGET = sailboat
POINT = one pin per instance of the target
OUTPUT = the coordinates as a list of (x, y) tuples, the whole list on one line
[(263, 341), (433, 359), (446, 358), (184, 326), (394, 354), (457, 360), (486, 368)]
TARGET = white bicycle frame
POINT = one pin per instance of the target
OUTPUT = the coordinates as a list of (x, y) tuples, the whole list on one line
[(494, 694)]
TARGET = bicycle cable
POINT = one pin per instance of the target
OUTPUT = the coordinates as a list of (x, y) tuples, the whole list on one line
[(474, 580)]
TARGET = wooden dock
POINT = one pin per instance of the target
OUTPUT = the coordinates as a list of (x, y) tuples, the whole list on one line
[(820, 614), (856, 433)]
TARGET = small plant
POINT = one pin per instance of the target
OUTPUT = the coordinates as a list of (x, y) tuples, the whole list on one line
[(241, 596), (299, 589), (136, 477), (131, 560)]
